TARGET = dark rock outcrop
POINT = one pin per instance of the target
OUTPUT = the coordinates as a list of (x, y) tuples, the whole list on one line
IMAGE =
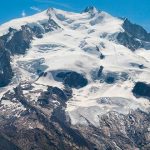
[(55, 93), (90, 9), (134, 36), (17, 41), (72, 79), (6, 72), (20, 41), (100, 71), (43, 100), (136, 31), (141, 89), (50, 25), (110, 79), (38, 32), (129, 41), (75, 80), (102, 56), (6, 37)]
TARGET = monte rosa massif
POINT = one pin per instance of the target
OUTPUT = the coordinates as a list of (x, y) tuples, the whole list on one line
[(74, 81)]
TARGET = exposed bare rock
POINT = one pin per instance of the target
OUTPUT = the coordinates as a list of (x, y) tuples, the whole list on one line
[(141, 89), (6, 72)]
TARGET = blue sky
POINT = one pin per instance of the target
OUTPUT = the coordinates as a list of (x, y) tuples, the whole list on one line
[(138, 11)]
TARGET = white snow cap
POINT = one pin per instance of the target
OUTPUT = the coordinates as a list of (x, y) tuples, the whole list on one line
[(74, 48)]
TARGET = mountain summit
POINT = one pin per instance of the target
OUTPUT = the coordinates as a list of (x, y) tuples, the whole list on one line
[(74, 81), (90, 9)]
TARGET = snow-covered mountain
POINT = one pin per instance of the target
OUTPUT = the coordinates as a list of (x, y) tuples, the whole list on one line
[(74, 81)]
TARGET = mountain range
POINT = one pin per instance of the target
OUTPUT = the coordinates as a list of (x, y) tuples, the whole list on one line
[(74, 81)]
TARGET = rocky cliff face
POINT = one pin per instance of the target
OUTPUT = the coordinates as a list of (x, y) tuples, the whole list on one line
[(136, 31), (129, 41), (20, 41), (134, 36), (6, 72)]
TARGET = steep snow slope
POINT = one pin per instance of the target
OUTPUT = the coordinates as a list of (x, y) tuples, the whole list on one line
[(74, 47)]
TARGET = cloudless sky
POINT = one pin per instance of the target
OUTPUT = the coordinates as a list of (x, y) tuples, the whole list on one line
[(138, 11)]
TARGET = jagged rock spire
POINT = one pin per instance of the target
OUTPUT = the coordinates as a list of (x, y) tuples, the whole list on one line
[(50, 12), (91, 9)]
